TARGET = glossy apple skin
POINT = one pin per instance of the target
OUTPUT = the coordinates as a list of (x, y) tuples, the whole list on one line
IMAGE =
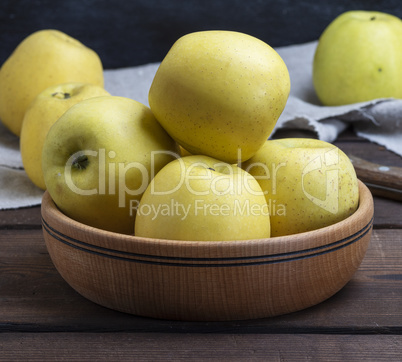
[(308, 184), (220, 93), (359, 58), (199, 198), (100, 156), (45, 58), (47, 107)]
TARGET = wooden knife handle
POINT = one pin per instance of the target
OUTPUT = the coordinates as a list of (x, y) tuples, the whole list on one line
[(372, 173), (383, 181)]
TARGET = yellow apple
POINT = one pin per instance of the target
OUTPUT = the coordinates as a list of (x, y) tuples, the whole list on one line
[(359, 58), (203, 199), (308, 184), (99, 157), (46, 57), (43, 112), (220, 93)]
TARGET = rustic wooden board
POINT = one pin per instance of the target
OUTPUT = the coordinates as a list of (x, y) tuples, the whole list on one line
[(369, 151), (199, 347), (23, 218), (361, 322), (35, 298)]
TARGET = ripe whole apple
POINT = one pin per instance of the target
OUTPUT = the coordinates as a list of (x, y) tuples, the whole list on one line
[(308, 184), (200, 198), (46, 57), (99, 157), (220, 93), (43, 112), (359, 58)]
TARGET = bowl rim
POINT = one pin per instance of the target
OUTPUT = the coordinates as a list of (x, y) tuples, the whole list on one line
[(365, 207)]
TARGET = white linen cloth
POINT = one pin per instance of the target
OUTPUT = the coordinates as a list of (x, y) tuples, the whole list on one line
[(379, 120)]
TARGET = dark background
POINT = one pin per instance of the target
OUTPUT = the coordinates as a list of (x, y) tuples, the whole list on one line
[(133, 32)]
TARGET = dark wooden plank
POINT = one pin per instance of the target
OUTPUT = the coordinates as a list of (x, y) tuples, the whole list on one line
[(387, 213), (22, 218), (35, 298), (198, 347), (368, 151)]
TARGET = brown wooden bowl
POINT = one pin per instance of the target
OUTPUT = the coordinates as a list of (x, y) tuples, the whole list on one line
[(207, 281)]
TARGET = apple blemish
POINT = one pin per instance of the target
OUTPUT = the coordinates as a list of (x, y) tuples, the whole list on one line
[(81, 162), (61, 95)]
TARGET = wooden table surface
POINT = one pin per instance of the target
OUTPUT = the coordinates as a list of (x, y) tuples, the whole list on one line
[(43, 318)]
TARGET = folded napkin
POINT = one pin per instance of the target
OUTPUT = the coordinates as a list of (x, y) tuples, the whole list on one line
[(379, 120)]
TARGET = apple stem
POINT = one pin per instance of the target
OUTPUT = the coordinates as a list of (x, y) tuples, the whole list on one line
[(372, 18), (81, 162), (210, 168), (61, 95)]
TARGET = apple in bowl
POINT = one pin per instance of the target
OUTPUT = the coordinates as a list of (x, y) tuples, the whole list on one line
[(220, 93), (308, 184), (99, 157), (201, 198)]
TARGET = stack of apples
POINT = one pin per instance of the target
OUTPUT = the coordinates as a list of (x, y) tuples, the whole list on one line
[(194, 165)]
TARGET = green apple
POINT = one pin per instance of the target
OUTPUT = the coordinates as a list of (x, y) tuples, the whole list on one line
[(203, 199), (359, 58), (99, 157), (46, 57), (308, 184), (220, 93), (42, 113)]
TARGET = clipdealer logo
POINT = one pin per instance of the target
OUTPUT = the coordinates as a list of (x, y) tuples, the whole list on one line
[(199, 207), (112, 179), (325, 162), (109, 172)]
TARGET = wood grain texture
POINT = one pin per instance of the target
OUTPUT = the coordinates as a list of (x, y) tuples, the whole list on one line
[(207, 281), (23, 218), (35, 298), (387, 213), (351, 144), (384, 181), (201, 347), (376, 174), (43, 318)]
